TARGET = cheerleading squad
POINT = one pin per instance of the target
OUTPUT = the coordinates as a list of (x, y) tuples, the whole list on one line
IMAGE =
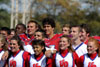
[(73, 47)]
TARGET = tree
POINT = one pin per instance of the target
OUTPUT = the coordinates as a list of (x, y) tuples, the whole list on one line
[(4, 14), (4, 18), (63, 11)]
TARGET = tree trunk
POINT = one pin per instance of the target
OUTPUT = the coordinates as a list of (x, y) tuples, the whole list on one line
[(12, 14)]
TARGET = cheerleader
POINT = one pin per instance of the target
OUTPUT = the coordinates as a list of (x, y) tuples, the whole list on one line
[(38, 59), (39, 34), (91, 59), (66, 57), (3, 47), (17, 57)]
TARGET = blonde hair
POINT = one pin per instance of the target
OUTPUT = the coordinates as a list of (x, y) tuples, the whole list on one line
[(3, 40), (96, 44)]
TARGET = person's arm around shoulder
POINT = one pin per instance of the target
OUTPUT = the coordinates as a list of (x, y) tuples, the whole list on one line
[(49, 52)]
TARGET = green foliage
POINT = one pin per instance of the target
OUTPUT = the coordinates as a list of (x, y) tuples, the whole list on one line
[(63, 11), (95, 27), (4, 1), (93, 16), (58, 27), (4, 14), (69, 12), (4, 18)]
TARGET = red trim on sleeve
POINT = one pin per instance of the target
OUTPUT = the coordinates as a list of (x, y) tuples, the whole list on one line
[(49, 62), (75, 58), (81, 60), (26, 57), (53, 60)]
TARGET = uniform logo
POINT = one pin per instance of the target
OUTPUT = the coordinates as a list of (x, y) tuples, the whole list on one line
[(12, 63), (91, 64), (63, 63), (36, 65)]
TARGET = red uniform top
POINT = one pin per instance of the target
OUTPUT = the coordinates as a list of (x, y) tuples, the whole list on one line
[(54, 41), (95, 37), (1, 49), (23, 55), (26, 38), (38, 58), (81, 59), (86, 42), (63, 54)]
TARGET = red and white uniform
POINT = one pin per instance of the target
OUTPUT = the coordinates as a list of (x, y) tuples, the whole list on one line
[(19, 59), (27, 42), (1, 61), (80, 49), (89, 60), (28, 48), (65, 59), (95, 37), (86, 42), (53, 42), (26, 38), (40, 61)]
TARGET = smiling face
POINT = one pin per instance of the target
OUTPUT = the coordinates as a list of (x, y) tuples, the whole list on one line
[(38, 35), (92, 46), (75, 33), (48, 29), (20, 29), (84, 35), (38, 49), (31, 28), (14, 46), (63, 43)]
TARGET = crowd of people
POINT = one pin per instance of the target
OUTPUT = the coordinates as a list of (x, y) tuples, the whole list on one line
[(34, 46)]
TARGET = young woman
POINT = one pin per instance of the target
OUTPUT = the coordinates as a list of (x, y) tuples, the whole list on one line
[(18, 57), (38, 59), (91, 59), (3, 47), (66, 57), (39, 34)]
